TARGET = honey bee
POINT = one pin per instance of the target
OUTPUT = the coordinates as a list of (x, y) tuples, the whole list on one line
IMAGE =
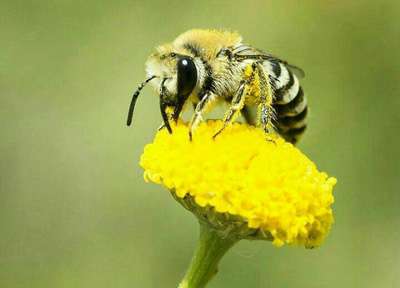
[(209, 67)]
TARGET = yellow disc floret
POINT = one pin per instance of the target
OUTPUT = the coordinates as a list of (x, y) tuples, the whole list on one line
[(271, 185)]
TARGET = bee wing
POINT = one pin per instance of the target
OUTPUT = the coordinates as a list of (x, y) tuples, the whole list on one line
[(253, 53), (293, 68)]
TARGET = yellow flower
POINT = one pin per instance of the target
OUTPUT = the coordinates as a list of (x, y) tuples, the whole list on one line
[(242, 184)]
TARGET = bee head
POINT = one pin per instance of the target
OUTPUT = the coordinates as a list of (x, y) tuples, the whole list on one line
[(179, 70), (175, 76)]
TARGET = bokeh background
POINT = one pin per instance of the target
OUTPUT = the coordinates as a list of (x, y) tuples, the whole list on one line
[(74, 209)]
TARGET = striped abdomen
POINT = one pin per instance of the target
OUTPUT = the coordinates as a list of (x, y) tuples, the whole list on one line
[(290, 102)]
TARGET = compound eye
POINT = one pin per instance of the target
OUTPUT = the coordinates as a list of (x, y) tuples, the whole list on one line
[(187, 76)]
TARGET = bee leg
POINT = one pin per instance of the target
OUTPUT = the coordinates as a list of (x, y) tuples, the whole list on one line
[(265, 110), (236, 105), (265, 119), (198, 111)]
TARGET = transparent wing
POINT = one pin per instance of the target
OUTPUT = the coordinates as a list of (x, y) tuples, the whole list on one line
[(244, 51)]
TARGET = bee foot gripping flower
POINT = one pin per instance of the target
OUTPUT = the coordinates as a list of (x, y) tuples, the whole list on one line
[(240, 186)]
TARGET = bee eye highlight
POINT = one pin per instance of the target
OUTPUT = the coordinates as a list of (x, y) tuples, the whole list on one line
[(173, 55), (187, 76)]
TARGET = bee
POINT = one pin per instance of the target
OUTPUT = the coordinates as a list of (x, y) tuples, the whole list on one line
[(210, 67)]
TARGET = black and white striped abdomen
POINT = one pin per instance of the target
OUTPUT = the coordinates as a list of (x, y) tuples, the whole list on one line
[(290, 102)]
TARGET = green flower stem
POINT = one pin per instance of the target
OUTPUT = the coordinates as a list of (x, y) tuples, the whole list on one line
[(209, 251)]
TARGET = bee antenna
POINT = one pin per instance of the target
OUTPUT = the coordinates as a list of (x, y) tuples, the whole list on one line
[(135, 97)]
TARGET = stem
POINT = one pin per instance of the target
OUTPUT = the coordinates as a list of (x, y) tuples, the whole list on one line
[(209, 251)]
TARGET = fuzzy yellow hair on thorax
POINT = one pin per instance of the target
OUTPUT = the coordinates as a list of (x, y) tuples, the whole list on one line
[(210, 40)]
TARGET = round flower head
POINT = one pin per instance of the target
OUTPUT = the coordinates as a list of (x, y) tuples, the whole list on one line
[(242, 184)]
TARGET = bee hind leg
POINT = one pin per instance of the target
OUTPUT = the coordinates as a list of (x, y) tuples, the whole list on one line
[(265, 109)]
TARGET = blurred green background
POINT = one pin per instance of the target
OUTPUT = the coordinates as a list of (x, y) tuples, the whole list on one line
[(74, 209)]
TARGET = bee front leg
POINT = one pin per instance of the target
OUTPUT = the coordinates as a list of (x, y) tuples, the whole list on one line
[(236, 105), (198, 112)]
